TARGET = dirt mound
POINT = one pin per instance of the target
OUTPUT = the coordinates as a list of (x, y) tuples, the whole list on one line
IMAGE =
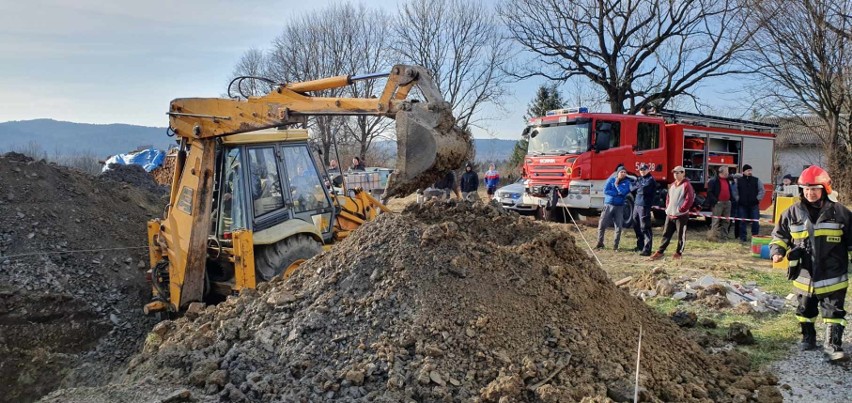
[(70, 289), (439, 303), (134, 175)]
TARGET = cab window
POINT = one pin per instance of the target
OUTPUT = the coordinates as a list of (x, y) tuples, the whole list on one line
[(232, 210), (305, 186), (611, 131), (264, 181), (647, 136)]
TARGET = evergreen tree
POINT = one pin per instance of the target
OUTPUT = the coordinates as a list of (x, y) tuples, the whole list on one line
[(546, 98)]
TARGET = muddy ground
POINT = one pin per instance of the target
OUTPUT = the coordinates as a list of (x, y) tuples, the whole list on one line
[(71, 284)]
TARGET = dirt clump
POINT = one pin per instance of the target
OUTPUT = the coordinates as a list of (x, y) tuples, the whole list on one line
[(385, 316), (71, 288)]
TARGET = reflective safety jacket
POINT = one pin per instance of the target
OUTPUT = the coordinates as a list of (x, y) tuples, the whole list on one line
[(825, 245)]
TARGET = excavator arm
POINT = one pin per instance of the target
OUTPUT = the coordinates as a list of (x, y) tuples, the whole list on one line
[(428, 141)]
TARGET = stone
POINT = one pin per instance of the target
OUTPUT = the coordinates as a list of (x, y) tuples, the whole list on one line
[(279, 298), (182, 395), (355, 376), (194, 310), (680, 295), (435, 377)]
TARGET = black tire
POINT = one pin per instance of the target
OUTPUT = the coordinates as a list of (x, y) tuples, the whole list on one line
[(272, 260), (558, 214)]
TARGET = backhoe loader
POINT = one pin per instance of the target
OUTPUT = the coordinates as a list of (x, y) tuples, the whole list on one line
[(248, 201)]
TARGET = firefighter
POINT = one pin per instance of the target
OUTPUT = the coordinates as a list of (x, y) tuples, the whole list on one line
[(815, 234)]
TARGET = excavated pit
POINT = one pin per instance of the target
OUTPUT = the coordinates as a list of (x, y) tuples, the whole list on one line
[(71, 288), (438, 303)]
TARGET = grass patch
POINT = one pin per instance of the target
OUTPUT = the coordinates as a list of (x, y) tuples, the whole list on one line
[(774, 334), (774, 281)]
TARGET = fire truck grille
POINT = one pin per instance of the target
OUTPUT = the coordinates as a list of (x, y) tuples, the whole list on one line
[(549, 174), (559, 167)]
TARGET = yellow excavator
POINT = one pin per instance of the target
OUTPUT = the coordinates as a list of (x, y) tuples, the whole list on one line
[(248, 199)]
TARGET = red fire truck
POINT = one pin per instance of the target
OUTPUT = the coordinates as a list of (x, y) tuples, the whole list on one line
[(573, 152)]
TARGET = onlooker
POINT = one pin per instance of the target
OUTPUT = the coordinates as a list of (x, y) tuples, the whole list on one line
[(786, 188), (334, 174), (469, 184), (616, 189), (678, 202), (646, 188), (444, 186), (751, 192), (815, 234), (357, 164), (721, 196), (492, 179)]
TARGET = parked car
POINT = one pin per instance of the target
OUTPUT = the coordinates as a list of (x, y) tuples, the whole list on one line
[(510, 197)]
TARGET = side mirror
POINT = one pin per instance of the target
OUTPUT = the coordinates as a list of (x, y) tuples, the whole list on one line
[(526, 133), (601, 141)]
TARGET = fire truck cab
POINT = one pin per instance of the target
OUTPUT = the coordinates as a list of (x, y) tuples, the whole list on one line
[(573, 152)]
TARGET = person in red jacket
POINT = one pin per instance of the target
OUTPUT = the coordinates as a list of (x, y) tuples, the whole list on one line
[(678, 202)]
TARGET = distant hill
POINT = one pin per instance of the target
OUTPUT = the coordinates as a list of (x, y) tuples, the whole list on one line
[(68, 138)]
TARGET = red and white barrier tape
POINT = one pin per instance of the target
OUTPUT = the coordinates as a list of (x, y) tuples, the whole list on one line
[(692, 213)]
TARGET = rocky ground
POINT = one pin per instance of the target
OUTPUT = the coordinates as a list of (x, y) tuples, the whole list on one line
[(71, 288), (439, 303), (442, 302)]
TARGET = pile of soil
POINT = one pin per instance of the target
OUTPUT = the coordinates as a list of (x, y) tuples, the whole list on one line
[(134, 175), (442, 302), (71, 276)]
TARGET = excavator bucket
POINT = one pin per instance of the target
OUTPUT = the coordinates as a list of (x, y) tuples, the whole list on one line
[(428, 145)]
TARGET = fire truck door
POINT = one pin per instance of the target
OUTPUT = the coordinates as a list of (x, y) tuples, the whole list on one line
[(650, 149)]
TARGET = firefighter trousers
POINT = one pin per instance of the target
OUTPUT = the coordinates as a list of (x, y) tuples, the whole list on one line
[(831, 304)]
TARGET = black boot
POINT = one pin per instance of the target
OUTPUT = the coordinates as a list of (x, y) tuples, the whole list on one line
[(808, 337), (834, 343)]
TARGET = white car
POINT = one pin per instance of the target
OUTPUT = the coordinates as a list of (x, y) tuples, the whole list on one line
[(510, 197)]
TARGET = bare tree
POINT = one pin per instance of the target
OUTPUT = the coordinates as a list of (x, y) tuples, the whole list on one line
[(640, 52), (366, 37), (460, 43), (804, 69), (341, 39), (247, 75)]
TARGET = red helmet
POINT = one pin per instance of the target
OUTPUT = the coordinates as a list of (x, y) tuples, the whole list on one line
[(815, 176)]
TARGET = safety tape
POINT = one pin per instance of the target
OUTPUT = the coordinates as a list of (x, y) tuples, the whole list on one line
[(692, 213)]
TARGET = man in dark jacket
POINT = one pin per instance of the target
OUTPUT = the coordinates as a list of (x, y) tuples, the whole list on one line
[(721, 196), (751, 192), (815, 234), (645, 188), (469, 183)]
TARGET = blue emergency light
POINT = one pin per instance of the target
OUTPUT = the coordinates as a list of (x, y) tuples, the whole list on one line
[(565, 111)]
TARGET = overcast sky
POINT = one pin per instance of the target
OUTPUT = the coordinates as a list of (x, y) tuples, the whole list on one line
[(122, 61)]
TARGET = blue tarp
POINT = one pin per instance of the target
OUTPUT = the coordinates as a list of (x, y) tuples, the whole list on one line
[(149, 159)]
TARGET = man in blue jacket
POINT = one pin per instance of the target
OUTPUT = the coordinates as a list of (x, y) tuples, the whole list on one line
[(646, 188), (615, 190)]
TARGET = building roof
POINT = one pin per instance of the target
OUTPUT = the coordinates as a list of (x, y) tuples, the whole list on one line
[(798, 131)]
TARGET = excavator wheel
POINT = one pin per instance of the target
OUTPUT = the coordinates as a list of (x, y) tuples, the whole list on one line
[(286, 254)]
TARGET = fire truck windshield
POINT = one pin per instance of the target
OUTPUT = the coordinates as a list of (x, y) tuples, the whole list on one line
[(563, 138)]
